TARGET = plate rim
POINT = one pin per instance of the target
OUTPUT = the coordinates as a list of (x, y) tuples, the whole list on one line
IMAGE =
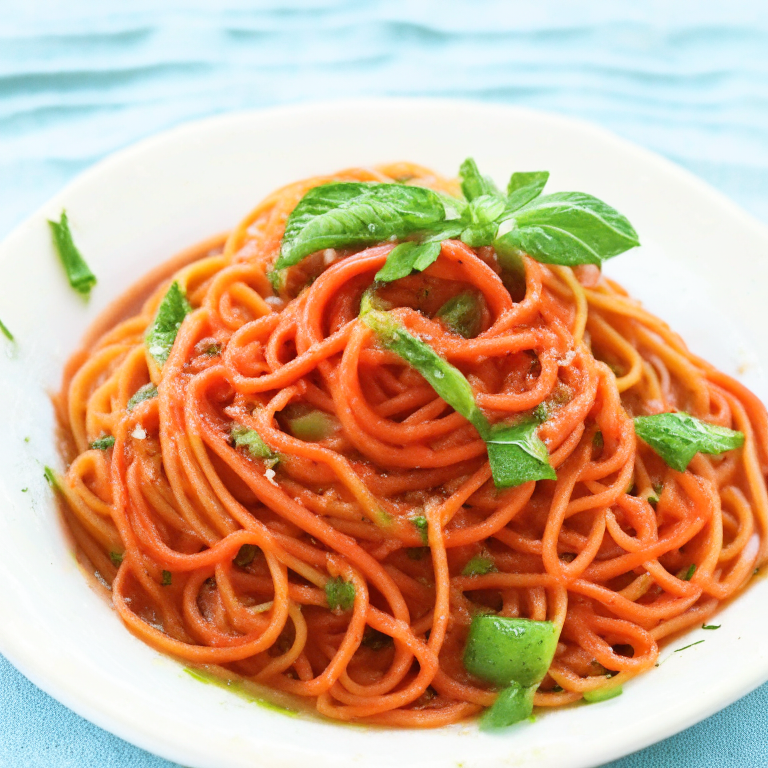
[(80, 703)]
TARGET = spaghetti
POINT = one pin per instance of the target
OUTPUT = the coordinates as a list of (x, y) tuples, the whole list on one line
[(343, 558)]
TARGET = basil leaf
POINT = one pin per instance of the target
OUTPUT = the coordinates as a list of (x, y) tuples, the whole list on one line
[(568, 228), (406, 257), (473, 184), (78, 273), (348, 214), (524, 187), (517, 455), (462, 314), (678, 437), (147, 392), (170, 314), (449, 382), (484, 213)]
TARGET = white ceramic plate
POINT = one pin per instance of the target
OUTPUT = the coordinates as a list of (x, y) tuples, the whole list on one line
[(144, 204)]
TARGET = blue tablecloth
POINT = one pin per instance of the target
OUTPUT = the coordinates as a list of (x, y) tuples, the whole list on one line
[(81, 78)]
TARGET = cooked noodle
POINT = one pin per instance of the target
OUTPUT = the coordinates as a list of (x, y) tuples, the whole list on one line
[(178, 501)]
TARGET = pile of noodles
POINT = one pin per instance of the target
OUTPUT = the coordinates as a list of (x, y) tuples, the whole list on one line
[(605, 551)]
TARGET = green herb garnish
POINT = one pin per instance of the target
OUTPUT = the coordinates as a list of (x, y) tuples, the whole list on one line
[(462, 314), (474, 184), (516, 453), (170, 314), (4, 330), (78, 273), (711, 626), (167, 579), (103, 443), (678, 437), (449, 382), (688, 575), (405, 258), (245, 555), (147, 392), (355, 214), (422, 526), (686, 647), (340, 594), (479, 565), (566, 228), (116, 558), (242, 437), (50, 476)]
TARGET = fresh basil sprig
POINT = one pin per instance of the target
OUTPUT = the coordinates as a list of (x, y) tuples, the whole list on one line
[(678, 437), (516, 454), (567, 228), (170, 314)]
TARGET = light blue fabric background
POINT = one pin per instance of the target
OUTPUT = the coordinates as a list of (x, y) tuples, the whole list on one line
[(81, 78)]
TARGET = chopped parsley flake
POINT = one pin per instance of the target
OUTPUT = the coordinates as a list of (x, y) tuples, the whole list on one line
[(340, 594), (422, 526), (479, 565), (103, 443), (147, 392)]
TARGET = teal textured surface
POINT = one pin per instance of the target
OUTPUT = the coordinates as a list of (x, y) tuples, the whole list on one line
[(83, 78)]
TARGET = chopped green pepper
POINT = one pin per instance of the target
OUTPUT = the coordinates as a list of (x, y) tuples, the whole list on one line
[(602, 694), (514, 704), (504, 650), (313, 426)]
